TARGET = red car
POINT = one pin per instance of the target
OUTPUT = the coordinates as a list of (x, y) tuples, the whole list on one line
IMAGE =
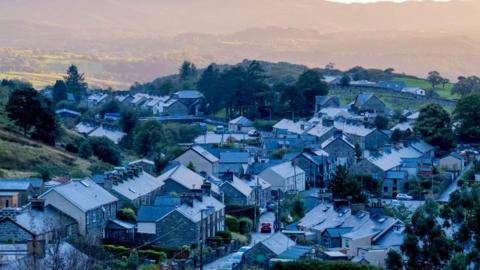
[(266, 228)]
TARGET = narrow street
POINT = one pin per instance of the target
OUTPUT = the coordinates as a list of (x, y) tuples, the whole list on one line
[(452, 187), (256, 237)]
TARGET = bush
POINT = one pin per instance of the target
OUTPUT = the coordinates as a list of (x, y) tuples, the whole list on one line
[(240, 238), (72, 148), (127, 214), (278, 154), (245, 225), (225, 235), (231, 223), (115, 249), (103, 148), (158, 256)]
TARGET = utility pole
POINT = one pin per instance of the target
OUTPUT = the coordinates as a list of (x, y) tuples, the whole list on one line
[(201, 238), (255, 222)]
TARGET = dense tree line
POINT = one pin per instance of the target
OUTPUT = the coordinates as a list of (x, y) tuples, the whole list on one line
[(243, 90)]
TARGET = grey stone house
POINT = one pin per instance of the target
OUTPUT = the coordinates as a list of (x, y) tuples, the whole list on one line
[(339, 148), (15, 192), (181, 179), (201, 159), (133, 185), (236, 191), (262, 190), (366, 138), (332, 237), (87, 203), (322, 102), (268, 249), (368, 102), (318, 167), (197, 217)]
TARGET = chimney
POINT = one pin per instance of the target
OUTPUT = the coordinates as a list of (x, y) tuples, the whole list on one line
[(327, 122), (387, 148), (206, 188), (227, 176), (337, 133), (109, 180), (376, 209), (38, 204), (186, 199), (131, 172)]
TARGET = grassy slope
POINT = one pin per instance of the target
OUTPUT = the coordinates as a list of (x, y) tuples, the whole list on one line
[(23, 157), (442, 92)]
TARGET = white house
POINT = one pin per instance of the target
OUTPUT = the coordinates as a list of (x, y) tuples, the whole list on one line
[(240, 124), (202, 160), (285, 177), (414, 90)]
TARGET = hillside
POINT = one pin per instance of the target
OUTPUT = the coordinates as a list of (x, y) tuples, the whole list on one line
[(23, 157), (39, 42)]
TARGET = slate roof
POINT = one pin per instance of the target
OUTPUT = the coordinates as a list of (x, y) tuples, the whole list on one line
[(39, 222), (167, 200), (362, 98), (111, 116), (36, 182), (322, 100), (296, 252), (234, 157), (372, 227), (14, 184), (153, 213), (338, 232), (394, 85), (188, 94), (286, 169), (84, 194), (261, 182), (388, 161), (194, 212), (319, 130), (204, 153), (403, 126), (112, 134), (422, 147), (186, 177), (67, 111), (84, 128), (358, 130), (332, 139), (299, 127), (137, 186), (278, 243), (336, 113), (239, 185), (241, 120)]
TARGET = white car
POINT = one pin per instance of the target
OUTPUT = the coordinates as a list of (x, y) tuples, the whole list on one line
[(404, 197), (244, 249), (253, 133), (236, 258)]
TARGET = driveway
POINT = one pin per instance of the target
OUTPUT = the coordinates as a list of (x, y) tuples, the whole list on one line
[(445, 197)]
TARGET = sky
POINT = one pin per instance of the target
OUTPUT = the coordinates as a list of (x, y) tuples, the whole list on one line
[(372, 1)]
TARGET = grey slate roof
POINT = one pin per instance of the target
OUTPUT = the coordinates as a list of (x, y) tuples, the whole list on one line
[(278, 243), (338, 232), (186, 177), (36, 182), (138, 186), (295, 252), (362, 99), (14, 184), (153, 213), (234, 157), (39, 222), (194, 212), (188, 94), (84, 194), (167, 200), (204, 153), (241, 120)]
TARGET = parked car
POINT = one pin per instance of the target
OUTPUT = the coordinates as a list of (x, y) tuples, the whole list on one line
[(236, 258), (253, 133), (244, 249), (404, 197), (219, 129), (266, 228), (226, 266)]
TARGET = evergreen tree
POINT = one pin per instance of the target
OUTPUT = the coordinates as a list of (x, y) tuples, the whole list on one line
[(75, 83), (187, 70), (393, 261), (59, 91), (46, 127), (311, 84), (468, 114), (22, 108), (208, 86), (434, 125)]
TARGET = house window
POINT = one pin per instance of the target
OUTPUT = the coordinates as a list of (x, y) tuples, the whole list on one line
[(347, 243), (385, 189), (6, 204), (394, 182)]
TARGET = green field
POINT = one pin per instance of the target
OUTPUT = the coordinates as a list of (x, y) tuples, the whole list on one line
[(424, 84)]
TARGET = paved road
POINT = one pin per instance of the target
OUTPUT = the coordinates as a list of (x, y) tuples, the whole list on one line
[(453, 186), (256, 237)]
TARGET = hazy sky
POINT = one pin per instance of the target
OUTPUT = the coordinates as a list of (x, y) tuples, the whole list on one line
[(372, 1)]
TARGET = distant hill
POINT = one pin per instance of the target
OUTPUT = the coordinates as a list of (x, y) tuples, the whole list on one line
[(118, 42)]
